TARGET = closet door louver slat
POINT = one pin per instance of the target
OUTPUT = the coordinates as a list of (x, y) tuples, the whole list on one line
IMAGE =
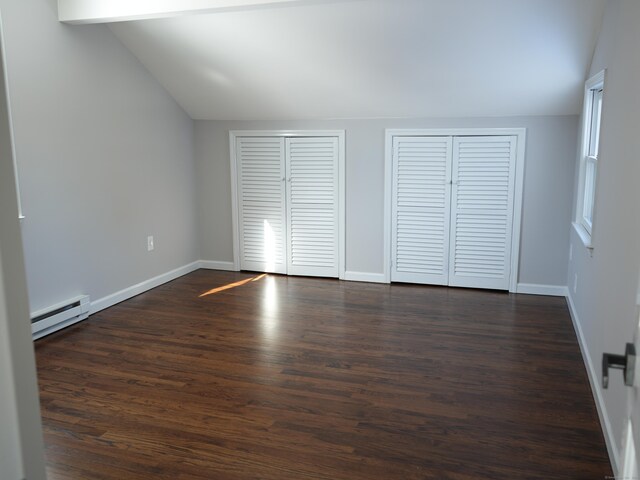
[(261, 191), (421, 209), (312, 207), (482, 211)]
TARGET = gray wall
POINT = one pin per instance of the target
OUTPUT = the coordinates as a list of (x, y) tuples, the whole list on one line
[(21, 447), (548, 188), (105, 158), (607, 278)]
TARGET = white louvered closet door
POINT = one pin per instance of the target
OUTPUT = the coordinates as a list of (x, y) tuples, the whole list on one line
[(312, 206), (482, 211), (421, 209), (261, 192)]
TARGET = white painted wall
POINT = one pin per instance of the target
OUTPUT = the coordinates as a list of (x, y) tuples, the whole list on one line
[(549, 174), (21, 448), (105, 158), (605, 299)]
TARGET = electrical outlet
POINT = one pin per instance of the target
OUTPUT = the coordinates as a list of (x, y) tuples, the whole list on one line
[(575, 282), (149, 243), (571, 252)]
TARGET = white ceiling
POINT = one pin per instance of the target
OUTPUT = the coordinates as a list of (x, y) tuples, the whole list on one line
[(373, 58)]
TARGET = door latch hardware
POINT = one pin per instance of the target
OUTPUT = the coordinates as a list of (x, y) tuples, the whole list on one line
[(625, 362)]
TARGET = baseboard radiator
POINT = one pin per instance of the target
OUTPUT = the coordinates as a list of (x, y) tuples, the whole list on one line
[(56, 317)]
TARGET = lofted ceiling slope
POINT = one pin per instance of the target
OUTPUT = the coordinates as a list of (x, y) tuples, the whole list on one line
[(373, 58)]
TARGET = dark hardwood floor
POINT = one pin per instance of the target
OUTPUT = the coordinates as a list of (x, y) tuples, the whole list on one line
[(302, 378)]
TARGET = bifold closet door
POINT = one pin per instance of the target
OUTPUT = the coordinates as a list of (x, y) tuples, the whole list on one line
[(312, 206), (260, 167), (482, 211), (421, 209), (288, 202)]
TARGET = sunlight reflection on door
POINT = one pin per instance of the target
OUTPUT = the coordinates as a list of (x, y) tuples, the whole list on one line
[(269, 247)]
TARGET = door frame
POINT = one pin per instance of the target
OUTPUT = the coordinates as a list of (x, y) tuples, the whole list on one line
[(521, 137), (340, 134)]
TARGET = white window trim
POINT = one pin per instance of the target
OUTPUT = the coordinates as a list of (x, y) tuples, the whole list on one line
[(586, 234)]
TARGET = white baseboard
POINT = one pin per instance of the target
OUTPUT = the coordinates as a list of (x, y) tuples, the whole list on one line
[(536, 289), (122, 295), (364, 277), (215, 265), (594, 381)]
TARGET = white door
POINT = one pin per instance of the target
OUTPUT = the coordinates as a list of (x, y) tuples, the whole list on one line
[(629, 460), (260, 163), (482, 201), (288, 201), (452, 210), (420, 212), (312, 206)]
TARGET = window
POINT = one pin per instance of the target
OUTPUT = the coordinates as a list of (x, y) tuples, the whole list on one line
[(589, 156)]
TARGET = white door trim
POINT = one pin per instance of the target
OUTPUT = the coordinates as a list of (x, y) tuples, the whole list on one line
[(340, 134), (519, 133)]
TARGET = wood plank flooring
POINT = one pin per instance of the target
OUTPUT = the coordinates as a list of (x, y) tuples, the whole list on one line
[(302, 378)]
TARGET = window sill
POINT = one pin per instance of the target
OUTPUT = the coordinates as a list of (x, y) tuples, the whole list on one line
[(583, 234)]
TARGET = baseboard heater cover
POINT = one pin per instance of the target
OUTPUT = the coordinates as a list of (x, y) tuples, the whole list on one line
[(56, 317)]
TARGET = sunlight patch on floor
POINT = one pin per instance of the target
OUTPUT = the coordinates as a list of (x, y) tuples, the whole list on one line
[(233, 285)]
